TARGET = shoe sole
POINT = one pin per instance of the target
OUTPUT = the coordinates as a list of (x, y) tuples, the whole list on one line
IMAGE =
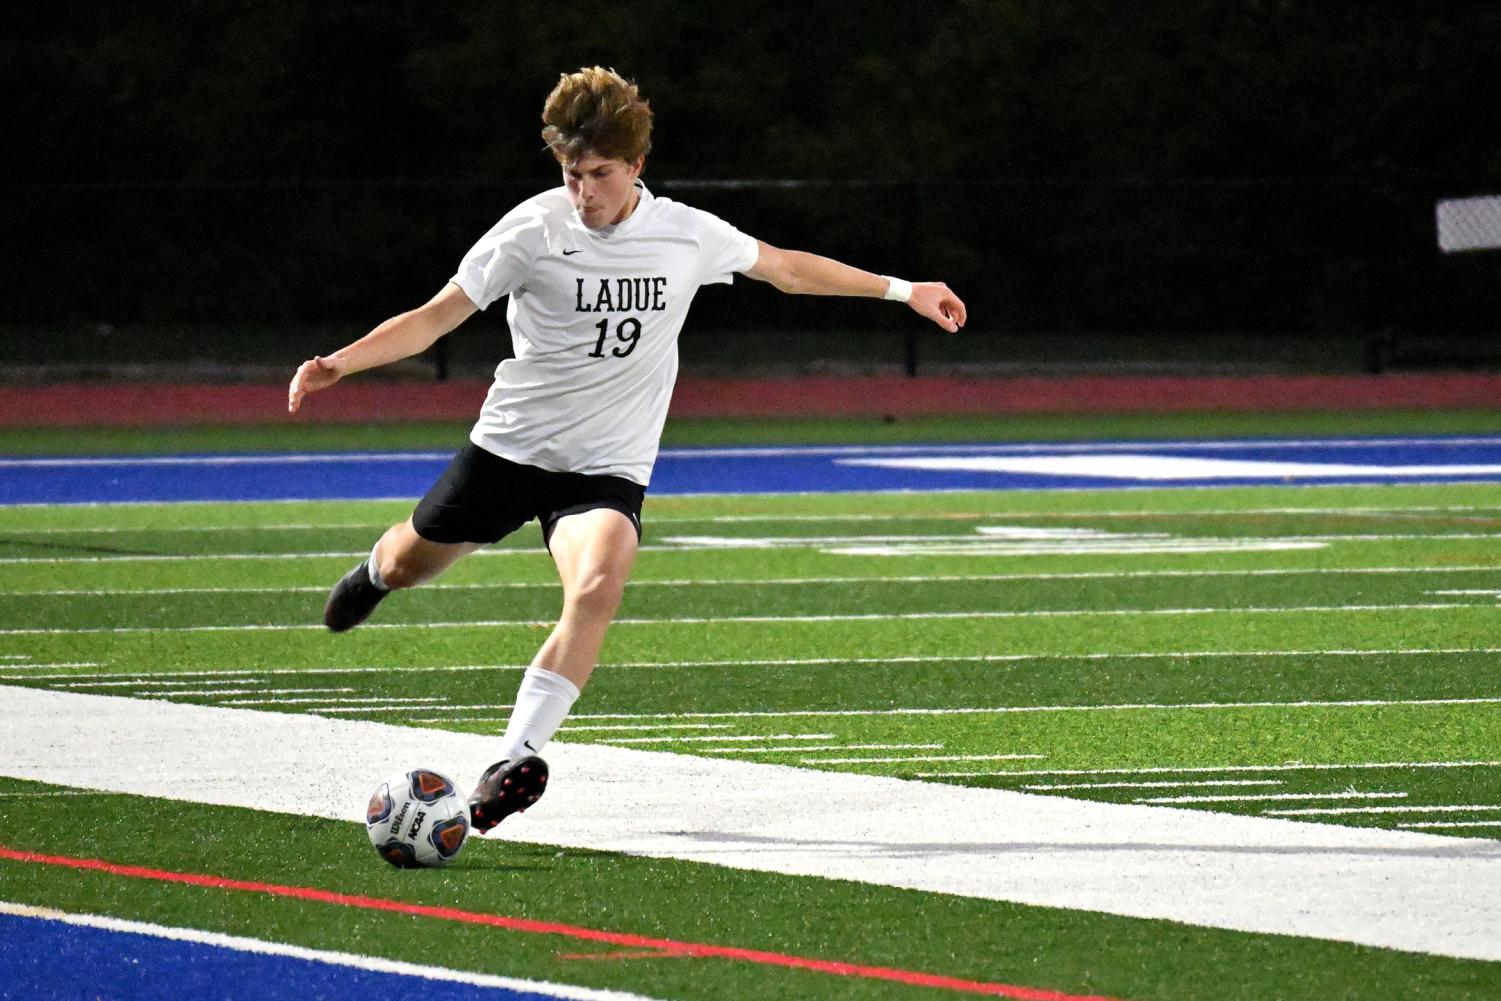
[(516, 788)]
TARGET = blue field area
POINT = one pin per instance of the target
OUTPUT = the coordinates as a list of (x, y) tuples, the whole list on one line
[(41, 958), (372, 475)]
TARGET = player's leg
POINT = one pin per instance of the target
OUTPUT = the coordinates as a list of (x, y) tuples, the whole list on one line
[(472, 503), (400, 559), (594, 551)]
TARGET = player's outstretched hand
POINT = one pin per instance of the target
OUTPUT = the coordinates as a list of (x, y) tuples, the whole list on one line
[(937, 303), (312, 375)]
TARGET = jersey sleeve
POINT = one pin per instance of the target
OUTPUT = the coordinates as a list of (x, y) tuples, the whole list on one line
[(725, 250), (498, 263)]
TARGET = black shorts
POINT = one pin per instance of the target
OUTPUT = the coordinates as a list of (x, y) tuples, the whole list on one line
[(483, 498)]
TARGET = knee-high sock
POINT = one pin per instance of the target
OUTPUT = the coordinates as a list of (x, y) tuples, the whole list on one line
[(542, 702)]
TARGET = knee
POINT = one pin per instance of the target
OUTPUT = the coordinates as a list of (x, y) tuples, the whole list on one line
[(399, 569), (597, 593)]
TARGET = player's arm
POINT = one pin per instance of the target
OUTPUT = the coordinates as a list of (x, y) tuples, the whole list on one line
[(801, 273), (410, 333)]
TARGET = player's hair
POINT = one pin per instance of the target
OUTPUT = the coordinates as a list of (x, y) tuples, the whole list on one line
[(596, 111)]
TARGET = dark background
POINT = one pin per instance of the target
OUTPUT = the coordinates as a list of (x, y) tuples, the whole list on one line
[(1148, 186)]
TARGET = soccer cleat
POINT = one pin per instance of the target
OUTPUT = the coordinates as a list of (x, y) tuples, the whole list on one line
[(507, 787), (352, 600)]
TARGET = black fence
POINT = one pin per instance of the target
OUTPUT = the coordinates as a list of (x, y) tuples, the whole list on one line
[(1266, 270)]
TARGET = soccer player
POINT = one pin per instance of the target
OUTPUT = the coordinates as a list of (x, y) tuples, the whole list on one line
[(600, 274)]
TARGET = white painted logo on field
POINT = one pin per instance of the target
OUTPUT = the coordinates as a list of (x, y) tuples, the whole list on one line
[(998, 540), (1147, 468)]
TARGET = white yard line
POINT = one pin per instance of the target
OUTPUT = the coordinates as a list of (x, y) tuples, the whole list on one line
[(1415, 511), (1332, 811), (923, 757), (1393, 889), (639, 583), (415, 703), (326, 708), (1211, 783), (1060, 613), (823, 747), (638, 727), (1296, 766), (1423, 824), (150, 685), (1113, 707), (29, 674), (372, 964), (1001, 658), (252, 691), (720, 738), (1268, 797), (791, 542)]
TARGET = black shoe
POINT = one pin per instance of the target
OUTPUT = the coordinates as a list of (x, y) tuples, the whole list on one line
[(352, 600), (507, 787)]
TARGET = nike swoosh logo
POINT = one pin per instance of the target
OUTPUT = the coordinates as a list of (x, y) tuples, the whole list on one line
[(569, 253), (528, 745)]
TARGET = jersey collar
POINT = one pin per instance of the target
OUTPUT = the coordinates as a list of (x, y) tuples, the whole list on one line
[(643, 200)]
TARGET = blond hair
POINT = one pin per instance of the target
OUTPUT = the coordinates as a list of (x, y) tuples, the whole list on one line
[(596, 111)]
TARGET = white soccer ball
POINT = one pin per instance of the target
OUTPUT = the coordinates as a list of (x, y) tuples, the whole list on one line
[(417, 819)]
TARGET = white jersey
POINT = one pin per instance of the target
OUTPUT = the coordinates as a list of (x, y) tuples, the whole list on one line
[(594, 319)]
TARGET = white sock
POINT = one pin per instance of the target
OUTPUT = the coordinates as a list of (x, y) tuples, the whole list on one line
[(542, 702), (372, 568)]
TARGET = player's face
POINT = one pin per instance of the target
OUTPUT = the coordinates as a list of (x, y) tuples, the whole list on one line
[(602, 190)]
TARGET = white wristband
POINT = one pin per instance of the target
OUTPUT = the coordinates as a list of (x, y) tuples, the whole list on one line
[(897, 289)]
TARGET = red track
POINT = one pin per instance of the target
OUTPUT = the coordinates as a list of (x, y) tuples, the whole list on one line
[(105, 404), (664, 946)]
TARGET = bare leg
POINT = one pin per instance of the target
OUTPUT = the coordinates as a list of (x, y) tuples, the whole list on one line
[(594, 552), (406, 559)]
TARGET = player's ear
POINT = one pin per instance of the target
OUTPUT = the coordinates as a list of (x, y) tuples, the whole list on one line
[(636, 165)]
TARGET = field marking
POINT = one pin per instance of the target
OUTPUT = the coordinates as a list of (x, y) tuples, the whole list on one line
[(1142, 465), (1422, 824), (1029, 448), (250, 673), (1057, 613), (1398, 511), (1393, 889), (634, 728), (335, 702), (983, 710), (407, 706), (77, 663), (799, 581), (263, 947), (215, 692), (1057, 786), (790, 543), (1268, 797), (823, 747), (1339, 810), (667, 947), (1291, 766), (717, 737), (131, 682), (273, 459), (923, 757), (49, 795)]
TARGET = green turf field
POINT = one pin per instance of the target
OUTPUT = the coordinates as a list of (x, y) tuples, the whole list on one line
[(1320, 653)]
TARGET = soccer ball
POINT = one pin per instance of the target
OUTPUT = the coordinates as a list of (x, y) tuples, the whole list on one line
[(417, 820)]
